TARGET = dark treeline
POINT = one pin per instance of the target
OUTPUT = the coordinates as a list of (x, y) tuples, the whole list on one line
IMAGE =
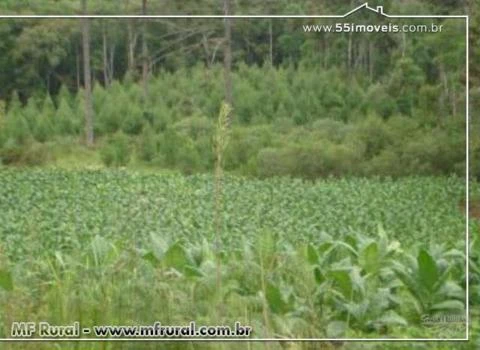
[(305, 104), (44, 54)]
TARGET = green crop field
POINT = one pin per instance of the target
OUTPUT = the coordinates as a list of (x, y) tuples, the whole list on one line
[(297, 259)]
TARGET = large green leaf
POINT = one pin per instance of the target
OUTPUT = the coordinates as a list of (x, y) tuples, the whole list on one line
[(275, 299), (151, 258), (449, 305), (392, 318), (409, 280), (176, 257), (427, 270), (312, 255), (342, 281), (369, 258), (192, 271), (325, 248), (319, 277)]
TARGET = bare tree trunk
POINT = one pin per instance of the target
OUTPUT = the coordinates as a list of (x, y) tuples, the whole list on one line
[(106, 78), (349, 50), (144, 53), (446, 90), (454, 101), (326, 51), (270, 34), (370, 60), (131, 46), (47, 79), (112, 62), (131, 41), (78, 69), (87, 76), (227, 56), (206, 50), (357, 56), (349, 53)]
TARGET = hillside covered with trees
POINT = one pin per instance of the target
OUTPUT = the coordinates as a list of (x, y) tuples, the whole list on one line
[(304, 104)]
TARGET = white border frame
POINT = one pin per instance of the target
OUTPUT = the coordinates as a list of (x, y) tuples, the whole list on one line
[(378, 10)]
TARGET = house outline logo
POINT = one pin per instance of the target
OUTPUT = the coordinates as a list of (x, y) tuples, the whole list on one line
[(378, 9)]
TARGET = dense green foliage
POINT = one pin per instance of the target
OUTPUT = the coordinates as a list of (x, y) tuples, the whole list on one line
[(414, 209), (285, 131), (305, 104), (45, 52), (300, 259)]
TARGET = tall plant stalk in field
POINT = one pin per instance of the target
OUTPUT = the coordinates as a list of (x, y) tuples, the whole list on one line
[(221, 138)]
